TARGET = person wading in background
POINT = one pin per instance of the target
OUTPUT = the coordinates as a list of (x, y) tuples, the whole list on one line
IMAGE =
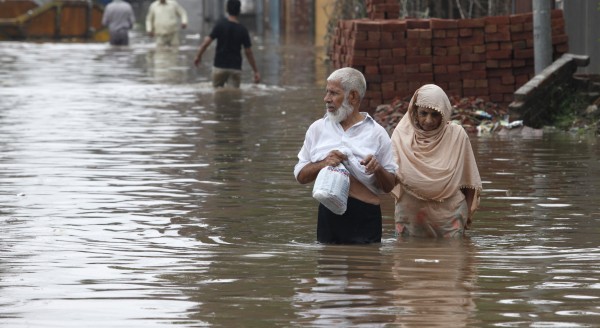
[(119, 18), (163, 22), (231, 36)]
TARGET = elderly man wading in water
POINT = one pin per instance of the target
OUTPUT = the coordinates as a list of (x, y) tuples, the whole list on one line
[(346, 135)]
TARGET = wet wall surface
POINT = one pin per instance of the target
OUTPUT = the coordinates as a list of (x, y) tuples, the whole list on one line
[(132, 194)]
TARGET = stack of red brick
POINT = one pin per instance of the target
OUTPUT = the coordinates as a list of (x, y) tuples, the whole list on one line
[(486, 57), (383, 9)]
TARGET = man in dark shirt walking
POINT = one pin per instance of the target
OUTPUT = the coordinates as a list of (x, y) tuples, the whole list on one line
[(231, 36)]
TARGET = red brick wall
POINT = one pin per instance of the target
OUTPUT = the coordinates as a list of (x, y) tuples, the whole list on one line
[(488, 57)]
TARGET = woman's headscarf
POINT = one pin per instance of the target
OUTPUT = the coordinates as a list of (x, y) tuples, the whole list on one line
[(433, 165)]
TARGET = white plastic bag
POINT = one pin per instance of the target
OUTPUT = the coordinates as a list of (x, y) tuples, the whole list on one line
[(331, 188)]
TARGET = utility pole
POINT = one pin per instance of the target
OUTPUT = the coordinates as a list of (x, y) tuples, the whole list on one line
[(542, 34), (260, 17), (274, 12)]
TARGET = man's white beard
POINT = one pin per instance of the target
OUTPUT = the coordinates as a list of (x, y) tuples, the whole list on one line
[(341, 113)]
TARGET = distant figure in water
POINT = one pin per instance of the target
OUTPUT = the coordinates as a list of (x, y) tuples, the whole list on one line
[(231, 36), (119, 18), (438, 180), (164, 20)]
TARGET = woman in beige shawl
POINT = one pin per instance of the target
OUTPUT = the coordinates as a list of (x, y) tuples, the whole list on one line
[(439, 184)]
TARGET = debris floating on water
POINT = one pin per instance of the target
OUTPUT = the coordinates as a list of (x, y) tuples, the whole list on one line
[(426, 261)]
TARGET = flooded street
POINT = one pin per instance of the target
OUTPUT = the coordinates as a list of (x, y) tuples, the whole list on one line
[(133, 195)]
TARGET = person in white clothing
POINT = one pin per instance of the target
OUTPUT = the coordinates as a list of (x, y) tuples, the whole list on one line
[(164, 20), (346, 135)]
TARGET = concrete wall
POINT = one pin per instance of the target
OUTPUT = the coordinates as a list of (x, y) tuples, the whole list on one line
[(323, 10), (582, 19), (195, 12)]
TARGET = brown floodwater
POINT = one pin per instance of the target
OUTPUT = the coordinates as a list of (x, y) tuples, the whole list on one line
[(132, 195)]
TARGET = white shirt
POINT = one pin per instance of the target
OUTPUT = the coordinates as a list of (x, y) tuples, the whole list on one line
[(164, 18), (364, 138)]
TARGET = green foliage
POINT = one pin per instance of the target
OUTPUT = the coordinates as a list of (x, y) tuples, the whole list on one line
[(569, 107)]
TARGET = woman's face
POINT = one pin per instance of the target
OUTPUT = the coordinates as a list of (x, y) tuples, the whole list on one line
[(428, 119)]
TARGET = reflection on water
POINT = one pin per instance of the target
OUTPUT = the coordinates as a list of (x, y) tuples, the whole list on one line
[(350, 287), (436, 283), (132, 194), (167, 65), (411, 284)]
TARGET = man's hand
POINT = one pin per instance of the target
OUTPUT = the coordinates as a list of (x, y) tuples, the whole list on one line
[(311, 170), (385, 179), (334, 158), (256, 77), (183, 26), (197, 60), (370, 163)]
